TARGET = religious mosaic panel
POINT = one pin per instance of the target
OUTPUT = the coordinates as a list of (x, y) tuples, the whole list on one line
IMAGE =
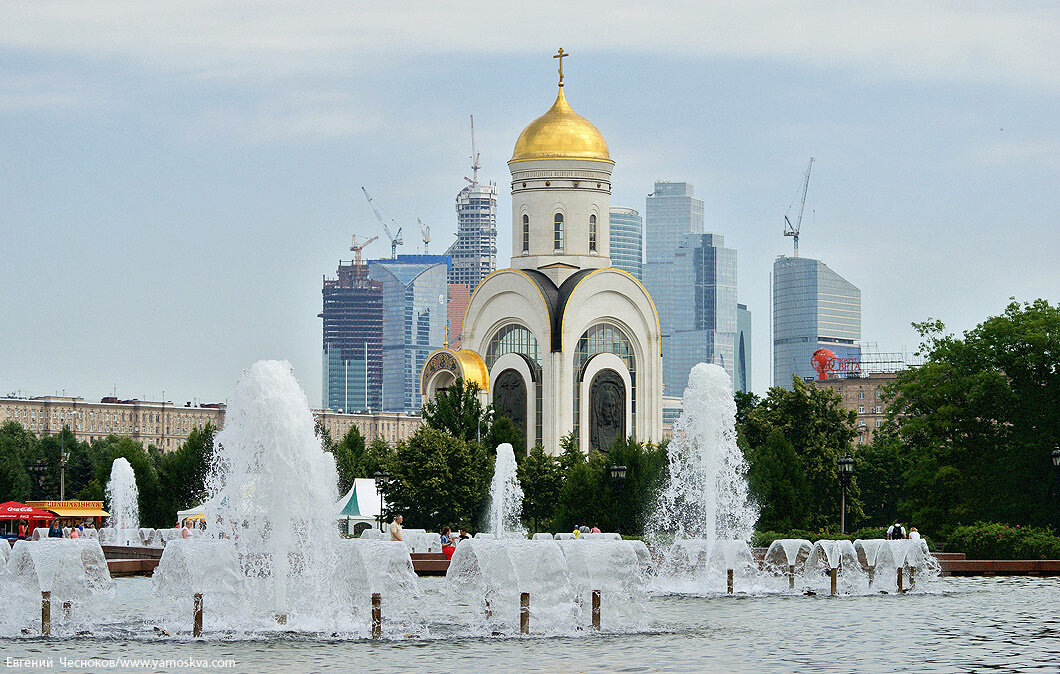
[(509, 397), (607, 410)]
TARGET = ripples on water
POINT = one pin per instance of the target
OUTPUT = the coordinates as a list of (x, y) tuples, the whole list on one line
[(963, 624)]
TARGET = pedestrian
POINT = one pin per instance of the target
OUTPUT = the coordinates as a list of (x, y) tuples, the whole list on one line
[(594, 530), (914, 535), (54, 530), (185, 532), (577, 531), (395, 529), (896, 532), (447, 543), (22, 530), (463, 535), (584, 529), (74, 533)]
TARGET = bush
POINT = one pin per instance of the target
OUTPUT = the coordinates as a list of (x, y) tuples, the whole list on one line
[(991, 540), (763, 539)]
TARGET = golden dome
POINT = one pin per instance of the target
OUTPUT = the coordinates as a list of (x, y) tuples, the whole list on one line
[(560, 133)]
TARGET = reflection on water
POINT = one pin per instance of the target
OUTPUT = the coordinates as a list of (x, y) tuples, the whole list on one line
[(964, 623)]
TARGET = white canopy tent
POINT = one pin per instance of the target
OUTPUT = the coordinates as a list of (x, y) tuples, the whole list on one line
[(360, 504)]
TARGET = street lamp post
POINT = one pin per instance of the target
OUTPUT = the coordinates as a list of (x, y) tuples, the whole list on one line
[(381, 479), (846, 470), (1056, 469), (618, 474), (39, 469)]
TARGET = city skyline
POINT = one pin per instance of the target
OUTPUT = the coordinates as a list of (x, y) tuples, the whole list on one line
[(174, 192)]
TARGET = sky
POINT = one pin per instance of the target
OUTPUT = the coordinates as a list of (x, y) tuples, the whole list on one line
[(177, 178)]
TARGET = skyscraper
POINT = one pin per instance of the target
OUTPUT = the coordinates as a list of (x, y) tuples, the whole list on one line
[(702, 326), (742, 382), (813, 308), (414, 296), (475, 251), (627, 241), (353, 334), (692, 279)]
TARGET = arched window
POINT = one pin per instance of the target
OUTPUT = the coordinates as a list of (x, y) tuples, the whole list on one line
[(526, 235), (592, 233), (557, 235)]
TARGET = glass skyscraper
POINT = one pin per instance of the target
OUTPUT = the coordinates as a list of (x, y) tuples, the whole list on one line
[(813, 308), (415, 291), (691, 277), (353, 333), (627, 241)]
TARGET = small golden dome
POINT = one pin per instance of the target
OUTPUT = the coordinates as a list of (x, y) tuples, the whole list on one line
[(560, 133)]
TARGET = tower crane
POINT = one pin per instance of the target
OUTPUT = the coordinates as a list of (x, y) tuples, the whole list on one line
[(425, 232), (475, 166), (395, 239), (357, 249), (792, 230)]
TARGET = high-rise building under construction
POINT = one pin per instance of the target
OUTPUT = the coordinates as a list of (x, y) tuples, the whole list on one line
[(353, 340), (475, 251)]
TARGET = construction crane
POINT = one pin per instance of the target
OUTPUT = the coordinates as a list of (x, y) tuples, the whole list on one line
[(792, 230), (425, 232), (475, 166), (357, 249), (395, 239)]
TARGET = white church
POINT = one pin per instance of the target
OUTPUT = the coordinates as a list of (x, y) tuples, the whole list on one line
[(561, 341)]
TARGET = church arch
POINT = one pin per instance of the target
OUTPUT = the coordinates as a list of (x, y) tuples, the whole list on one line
[(506, 388), (603, 339), (590, 393)]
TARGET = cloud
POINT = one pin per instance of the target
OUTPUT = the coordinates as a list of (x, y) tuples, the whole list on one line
[(1011, 42)]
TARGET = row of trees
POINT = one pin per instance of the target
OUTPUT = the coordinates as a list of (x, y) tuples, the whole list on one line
[(167, 482)]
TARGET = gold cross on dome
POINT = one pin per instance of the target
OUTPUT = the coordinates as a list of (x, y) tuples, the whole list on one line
[(560, 56)]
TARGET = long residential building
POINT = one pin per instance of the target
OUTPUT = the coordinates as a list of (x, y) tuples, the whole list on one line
[(166, 425)]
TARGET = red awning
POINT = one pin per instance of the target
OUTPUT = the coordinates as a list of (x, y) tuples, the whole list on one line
[(13, 510)]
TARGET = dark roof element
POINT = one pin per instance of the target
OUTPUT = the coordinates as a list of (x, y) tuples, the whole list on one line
[(556, 301)]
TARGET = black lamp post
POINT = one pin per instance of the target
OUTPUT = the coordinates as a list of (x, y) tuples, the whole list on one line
[(846, 471), (381, 480), (618, 474), (39, 469), (1056, 469)]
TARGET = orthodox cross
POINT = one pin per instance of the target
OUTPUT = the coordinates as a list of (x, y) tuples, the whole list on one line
[(560, 56)]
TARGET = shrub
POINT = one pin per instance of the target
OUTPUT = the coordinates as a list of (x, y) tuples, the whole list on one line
[(991, 540)]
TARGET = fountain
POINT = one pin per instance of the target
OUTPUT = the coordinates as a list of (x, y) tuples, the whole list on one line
[(123, 527), (271, 557), (506, 496), (72, 571), (705, 500)]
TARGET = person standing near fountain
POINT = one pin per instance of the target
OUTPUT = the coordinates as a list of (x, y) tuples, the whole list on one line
[(395, 529), (447, 543)]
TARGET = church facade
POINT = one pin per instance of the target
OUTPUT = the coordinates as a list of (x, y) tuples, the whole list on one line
[(561, 341)]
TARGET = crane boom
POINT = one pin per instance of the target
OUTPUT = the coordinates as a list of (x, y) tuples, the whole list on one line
[(425, 233), (792, 230), (395, 239)]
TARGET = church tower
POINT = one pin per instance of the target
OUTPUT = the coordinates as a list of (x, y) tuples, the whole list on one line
[(561, 343), (561, 193)]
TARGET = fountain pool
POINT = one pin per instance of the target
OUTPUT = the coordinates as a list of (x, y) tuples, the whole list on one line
[(962, 623)]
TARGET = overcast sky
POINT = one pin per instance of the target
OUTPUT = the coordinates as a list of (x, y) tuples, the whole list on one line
[(176, 178)]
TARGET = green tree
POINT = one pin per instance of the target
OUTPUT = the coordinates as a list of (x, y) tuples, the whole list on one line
[(16, 444), (504, 430), (182, 472), (980, 418), (882, 469), (437, 479), (821, 431), (777, 481), (458, 411), (541, 479)]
